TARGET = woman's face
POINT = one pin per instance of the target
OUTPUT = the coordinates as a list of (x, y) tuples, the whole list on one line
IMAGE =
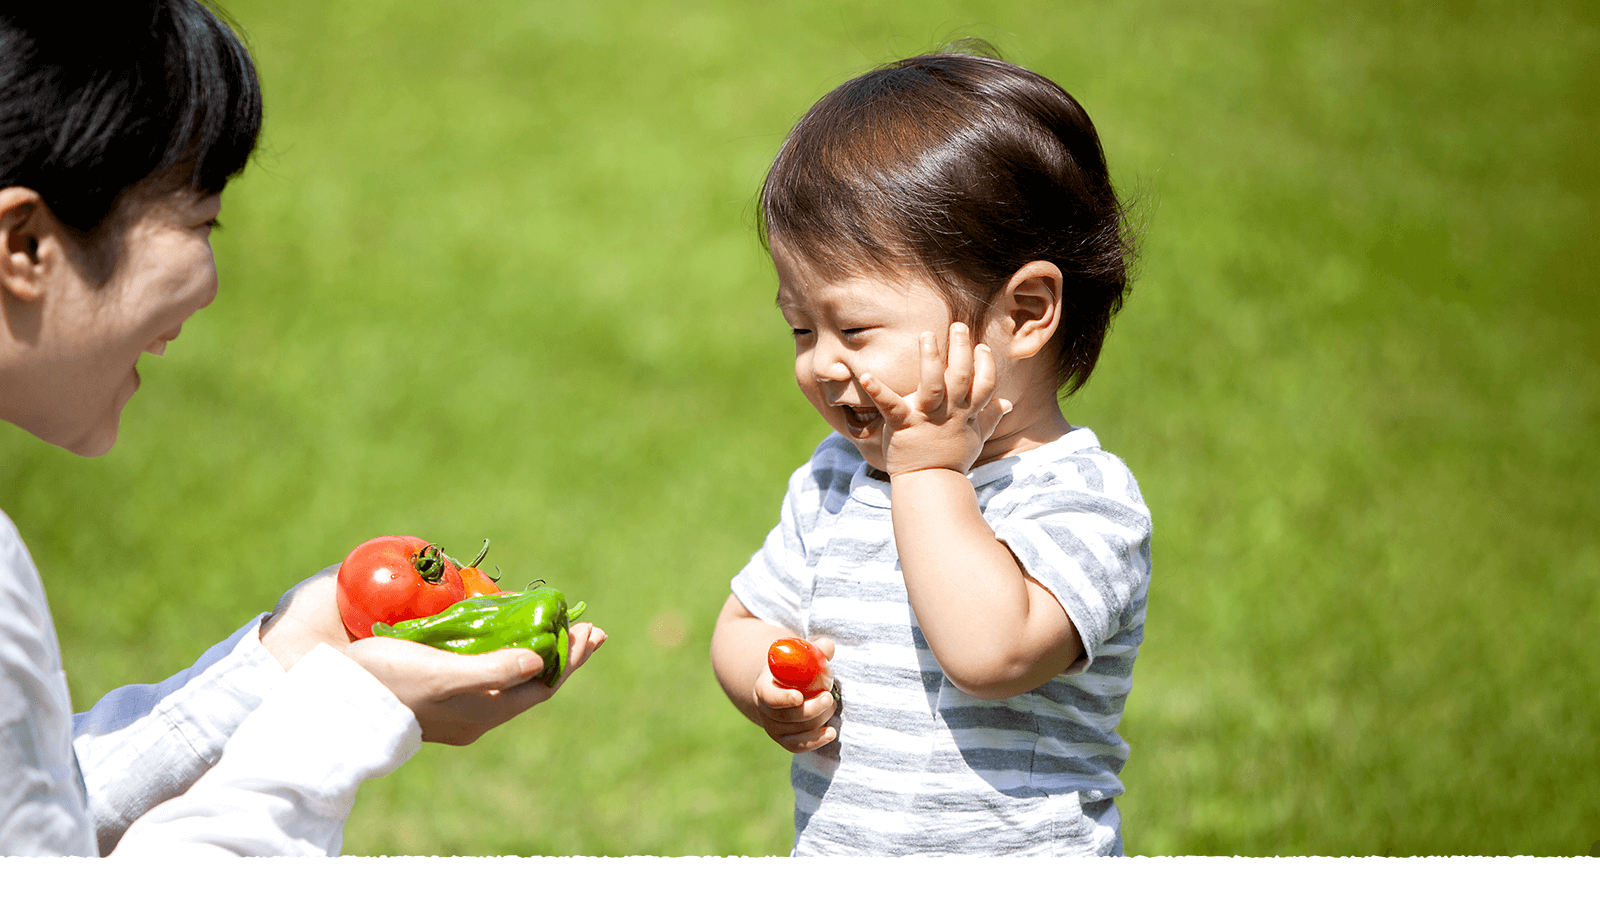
[(96, 332)]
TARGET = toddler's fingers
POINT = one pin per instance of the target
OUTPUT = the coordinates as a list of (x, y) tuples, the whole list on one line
[(989, 417), (807, 741), (789, 706), (785, 712), (960, 369), (821, 712), (882, 396), (983, 375), (779, 703), (931, 391)]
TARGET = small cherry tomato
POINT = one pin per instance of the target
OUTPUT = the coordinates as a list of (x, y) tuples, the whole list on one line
[(797, 664), (478, 584), (392, 579), (474, 580)]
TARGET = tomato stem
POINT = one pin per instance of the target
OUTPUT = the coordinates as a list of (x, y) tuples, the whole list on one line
[(429, 563)]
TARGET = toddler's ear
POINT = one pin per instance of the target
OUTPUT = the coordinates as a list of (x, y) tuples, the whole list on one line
[(1029, 308)]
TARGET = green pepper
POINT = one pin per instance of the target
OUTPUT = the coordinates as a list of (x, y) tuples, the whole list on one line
[(536, 619)]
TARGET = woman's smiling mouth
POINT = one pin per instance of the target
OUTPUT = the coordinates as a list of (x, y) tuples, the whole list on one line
[(158, 347)]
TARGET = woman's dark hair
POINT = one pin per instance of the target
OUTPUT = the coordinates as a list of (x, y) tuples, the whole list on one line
[(98, 96), (963, 168)]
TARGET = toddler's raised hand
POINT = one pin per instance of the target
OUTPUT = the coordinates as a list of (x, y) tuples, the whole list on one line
[(945, 422)]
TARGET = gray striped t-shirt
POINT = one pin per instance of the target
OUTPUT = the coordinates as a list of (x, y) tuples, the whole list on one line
[(919, 767)]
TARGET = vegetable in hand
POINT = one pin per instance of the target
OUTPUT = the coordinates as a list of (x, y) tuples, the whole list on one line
[(391, 579), (536, 619), (800, 666)]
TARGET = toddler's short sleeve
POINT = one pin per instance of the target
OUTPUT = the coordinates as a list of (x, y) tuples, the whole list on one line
[(774, 585), (770, 585), (1081, 528)]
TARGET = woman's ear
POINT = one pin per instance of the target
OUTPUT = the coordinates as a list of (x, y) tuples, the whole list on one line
[(1029, 308), (23, 221)]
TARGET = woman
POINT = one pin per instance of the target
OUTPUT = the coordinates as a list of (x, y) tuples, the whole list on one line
[(115, 147)]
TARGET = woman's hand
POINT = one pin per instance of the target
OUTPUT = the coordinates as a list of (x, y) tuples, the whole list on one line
[(798, 725), (306, 615), (456, 698)]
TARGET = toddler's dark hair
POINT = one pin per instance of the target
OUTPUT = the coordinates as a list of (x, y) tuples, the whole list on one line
[(98, 96), (963, 168)]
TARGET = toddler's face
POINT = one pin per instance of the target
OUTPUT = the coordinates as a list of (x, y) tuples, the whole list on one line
[(850, 325)]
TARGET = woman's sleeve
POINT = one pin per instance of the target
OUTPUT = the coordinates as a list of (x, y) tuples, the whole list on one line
[(42, 810), (144, 744), (231, 755), (287, 779)]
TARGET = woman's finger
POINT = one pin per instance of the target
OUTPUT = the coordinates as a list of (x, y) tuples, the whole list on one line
[(417, 673), (586, 639)]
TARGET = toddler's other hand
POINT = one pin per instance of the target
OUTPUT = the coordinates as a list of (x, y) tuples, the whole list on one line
[(798, 725), (945, 422)]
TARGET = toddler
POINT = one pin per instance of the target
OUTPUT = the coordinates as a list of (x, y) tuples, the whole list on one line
[(949, 253)]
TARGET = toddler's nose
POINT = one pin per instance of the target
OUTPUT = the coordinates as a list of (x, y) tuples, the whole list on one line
[(834, 370)]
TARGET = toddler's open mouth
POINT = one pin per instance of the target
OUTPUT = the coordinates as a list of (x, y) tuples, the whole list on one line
[(860, 419)]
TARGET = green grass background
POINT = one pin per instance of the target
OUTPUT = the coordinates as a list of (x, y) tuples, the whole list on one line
[(493, 274)]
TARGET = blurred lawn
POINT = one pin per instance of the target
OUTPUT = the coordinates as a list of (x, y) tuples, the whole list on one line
[(494, 275)]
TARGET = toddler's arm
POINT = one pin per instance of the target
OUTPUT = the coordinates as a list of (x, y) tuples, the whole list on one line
[(739, 658), (995, 631)]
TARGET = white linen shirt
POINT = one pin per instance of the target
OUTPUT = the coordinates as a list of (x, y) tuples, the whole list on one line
[(231, 755)]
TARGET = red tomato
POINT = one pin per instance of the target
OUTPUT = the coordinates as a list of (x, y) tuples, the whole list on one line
[(392, 579), (797, 664), (478, 584)]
